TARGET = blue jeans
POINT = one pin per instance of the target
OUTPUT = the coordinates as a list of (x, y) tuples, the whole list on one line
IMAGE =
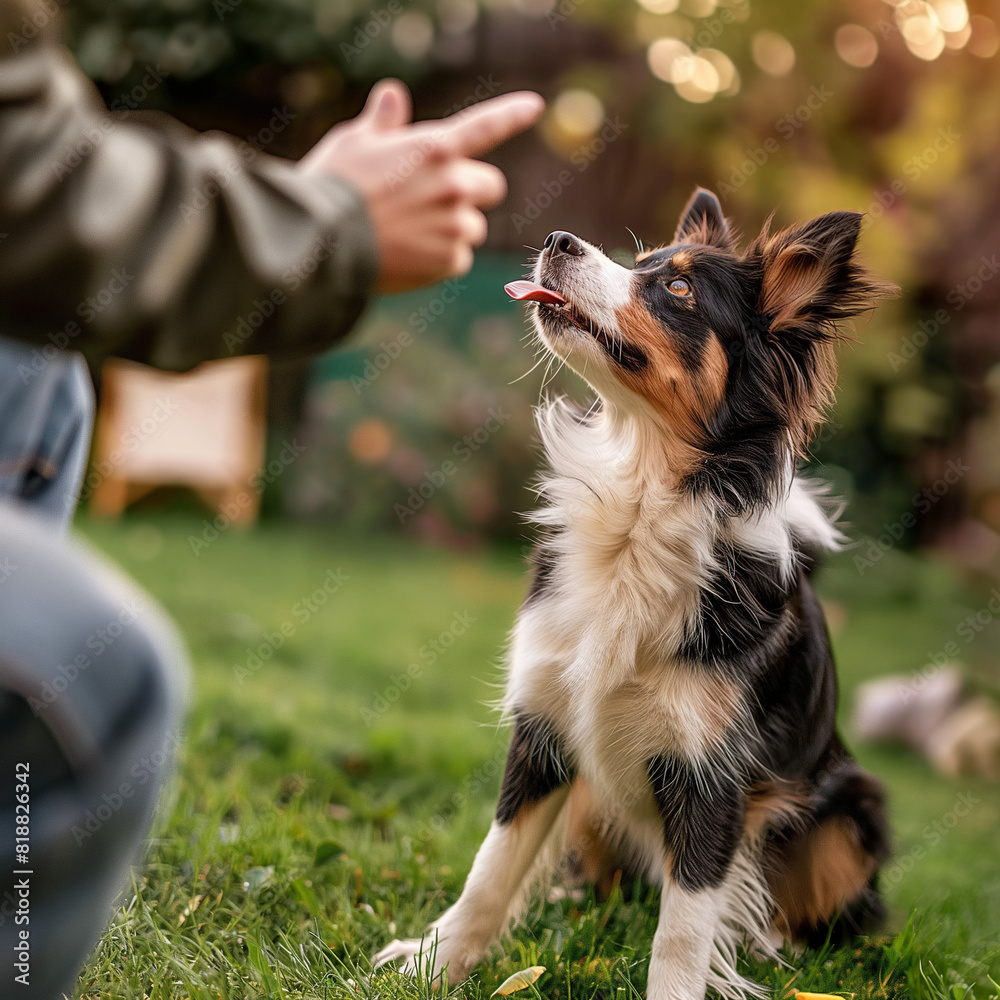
[(91, 691), (46, 417)]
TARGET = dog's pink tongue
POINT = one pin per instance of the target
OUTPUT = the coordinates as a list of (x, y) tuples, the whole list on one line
[(531, 291)]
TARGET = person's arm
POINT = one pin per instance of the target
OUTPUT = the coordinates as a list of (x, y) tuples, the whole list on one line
[(131, 235), (151, 242)]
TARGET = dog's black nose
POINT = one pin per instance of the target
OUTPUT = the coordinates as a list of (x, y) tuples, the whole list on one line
[(560, 242)]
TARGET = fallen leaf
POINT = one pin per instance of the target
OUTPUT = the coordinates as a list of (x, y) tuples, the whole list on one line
[(193, 905), (519, 981)]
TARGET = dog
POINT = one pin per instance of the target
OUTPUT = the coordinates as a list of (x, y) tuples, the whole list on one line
[(670, 679)]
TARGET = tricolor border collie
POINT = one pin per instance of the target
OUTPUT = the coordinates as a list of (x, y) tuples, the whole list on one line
[(670, 680)]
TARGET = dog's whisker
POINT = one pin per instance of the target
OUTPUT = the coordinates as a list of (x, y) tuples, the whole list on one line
[(529, 371)]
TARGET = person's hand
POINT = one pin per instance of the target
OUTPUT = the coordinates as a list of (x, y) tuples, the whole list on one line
[(423, 190)]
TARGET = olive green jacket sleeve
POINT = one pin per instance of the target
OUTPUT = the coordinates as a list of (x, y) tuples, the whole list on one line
[(131, 235)]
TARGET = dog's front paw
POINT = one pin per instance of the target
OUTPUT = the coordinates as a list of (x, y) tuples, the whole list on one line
[(413, 954), (422, 956)]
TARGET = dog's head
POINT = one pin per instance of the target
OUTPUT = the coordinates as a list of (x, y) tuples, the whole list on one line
[(729, 350)]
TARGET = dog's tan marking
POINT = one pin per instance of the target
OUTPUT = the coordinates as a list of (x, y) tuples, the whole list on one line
[(716, 702), (594, 858), (796, 278), (680, 259), (794, 275), (640, 257), (669, 707), (793, 278), (775, 803), (686, 399), (523, 812), (815, 875)]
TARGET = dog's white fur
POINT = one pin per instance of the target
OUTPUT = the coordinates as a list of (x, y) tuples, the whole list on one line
[(594, 656)]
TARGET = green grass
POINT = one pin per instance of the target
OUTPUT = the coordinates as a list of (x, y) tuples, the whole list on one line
[(321, 811)]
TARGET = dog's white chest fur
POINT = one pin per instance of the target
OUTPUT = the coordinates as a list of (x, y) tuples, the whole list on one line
[(595, 653)]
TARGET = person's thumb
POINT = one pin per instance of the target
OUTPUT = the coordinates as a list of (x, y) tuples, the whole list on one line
[(388, 106)]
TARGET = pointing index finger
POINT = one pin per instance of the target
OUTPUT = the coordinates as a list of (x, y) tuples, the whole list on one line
[(482, 127)]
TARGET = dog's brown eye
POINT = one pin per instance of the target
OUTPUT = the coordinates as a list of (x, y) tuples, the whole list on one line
[(679, 287)]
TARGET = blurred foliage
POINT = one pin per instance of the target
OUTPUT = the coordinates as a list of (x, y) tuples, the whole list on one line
[(218, 39), (804, 108), (427, 426)]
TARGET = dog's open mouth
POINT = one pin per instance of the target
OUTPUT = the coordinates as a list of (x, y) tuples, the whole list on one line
[(554, 305)]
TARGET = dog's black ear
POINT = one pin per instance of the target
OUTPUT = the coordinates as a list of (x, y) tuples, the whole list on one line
[(812, 278), (703, 221)]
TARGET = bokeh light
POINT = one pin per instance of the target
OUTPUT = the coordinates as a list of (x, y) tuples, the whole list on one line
[(773, 53), (856, 45), (577, 114), (985, 39), (729, 77), (457, 16), (413, 34), (922, 25), (370, 441), (659, 6), (668, 59), (952, 15), (958, 39), (702, 84)]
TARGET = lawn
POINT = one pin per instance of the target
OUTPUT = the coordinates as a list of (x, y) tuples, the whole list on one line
[(336, 780)]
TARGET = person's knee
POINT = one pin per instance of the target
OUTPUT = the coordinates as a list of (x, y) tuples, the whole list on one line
[(91, 698), (93, 655)]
